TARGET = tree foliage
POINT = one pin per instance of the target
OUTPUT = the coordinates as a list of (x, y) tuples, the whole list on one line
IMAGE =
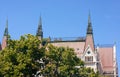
[(20, 57), (62, 62), (29, 55)]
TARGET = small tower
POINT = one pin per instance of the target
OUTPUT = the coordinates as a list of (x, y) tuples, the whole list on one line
[(39, 32), (89, 35), (5, 37)]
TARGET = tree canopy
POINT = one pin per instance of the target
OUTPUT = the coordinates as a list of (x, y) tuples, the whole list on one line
[(29, 56)]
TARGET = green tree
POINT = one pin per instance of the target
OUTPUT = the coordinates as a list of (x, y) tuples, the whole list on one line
[(21, 57), (29, 55), (62, 62)]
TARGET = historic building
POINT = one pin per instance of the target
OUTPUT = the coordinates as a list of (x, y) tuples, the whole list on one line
[(100, 58)]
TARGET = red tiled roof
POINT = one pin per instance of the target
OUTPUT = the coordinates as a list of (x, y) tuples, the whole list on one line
[(106, 58), (77, 46)]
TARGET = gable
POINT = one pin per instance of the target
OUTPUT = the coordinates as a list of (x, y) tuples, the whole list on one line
[(88, 53)]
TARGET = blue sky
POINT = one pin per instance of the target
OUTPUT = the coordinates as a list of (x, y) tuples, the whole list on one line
[(63, 18)]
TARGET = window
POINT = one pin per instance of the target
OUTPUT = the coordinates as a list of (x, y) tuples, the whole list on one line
[(88, 58), (77, 48), (88, 52)]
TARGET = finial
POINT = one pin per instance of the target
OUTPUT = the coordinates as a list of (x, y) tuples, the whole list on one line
[(114, 42)]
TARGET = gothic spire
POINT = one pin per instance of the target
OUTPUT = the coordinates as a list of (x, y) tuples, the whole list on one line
[(39, 30), (89, 42), (5, 37), (6, 29), (89, 28)]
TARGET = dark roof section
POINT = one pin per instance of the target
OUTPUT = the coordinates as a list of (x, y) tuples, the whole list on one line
[(67, 39), (89, 28), (39, 30)]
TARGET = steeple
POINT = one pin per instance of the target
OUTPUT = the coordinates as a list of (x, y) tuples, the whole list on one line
[(89, 37), (6, 29), (39, 30), (5, 37), (89, 28)]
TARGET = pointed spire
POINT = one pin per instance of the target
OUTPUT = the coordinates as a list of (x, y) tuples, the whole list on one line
[(89, 42), (89, 29), (40, 22), (39, 30), (5, 37), (89, 18), (6, 28)]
